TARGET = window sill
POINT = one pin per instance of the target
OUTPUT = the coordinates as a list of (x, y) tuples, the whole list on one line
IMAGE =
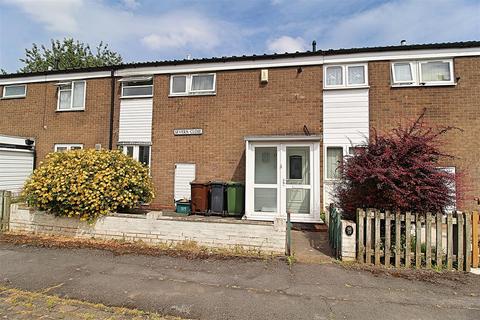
[(70, 110), (136, 97), (192, 94), (10, 98), (450, 84), (346, 88)]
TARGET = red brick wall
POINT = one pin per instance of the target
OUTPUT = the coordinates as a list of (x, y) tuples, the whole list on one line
[(36, 116), (457, 106), (242, 106)]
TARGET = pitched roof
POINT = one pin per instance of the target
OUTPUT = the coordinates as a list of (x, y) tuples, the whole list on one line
[(328, 52)]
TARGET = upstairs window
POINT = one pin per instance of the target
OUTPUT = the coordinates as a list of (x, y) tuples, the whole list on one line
[(194, 84), (15, 91), (139, 87), (345, 76), (71, 96), (425, 72)]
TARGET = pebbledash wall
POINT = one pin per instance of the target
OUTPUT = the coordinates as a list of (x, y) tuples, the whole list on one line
[(154, 228), (243, 106)]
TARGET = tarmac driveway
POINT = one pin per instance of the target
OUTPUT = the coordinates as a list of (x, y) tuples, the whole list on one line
[(236, 289)]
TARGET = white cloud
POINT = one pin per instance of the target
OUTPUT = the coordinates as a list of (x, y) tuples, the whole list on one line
[(415, 21), (95, 21), (286, 44), (131, 4)]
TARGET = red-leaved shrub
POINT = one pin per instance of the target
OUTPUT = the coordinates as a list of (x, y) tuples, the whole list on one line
[(397, 171)]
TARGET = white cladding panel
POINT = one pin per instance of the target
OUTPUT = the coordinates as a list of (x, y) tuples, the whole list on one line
[(135, 123), (345, 116), (15, 167), (184, 174)]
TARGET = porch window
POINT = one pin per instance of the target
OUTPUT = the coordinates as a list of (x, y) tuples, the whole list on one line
[(334, 158), (71, 96)]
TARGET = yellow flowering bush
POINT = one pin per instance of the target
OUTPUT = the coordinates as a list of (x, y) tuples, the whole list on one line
[(88, 183)]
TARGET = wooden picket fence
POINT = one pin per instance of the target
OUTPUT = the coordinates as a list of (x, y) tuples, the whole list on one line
[(5, 200), (420, 240)]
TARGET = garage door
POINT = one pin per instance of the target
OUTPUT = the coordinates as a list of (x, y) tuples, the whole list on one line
[(184, 174), (16, 162)]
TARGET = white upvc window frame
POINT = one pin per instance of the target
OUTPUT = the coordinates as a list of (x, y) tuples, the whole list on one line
[(124, 83), (68, 146), (136, 151), (413, 70), (345, 82), (416, 68), (72, 85), (436, 82), (14, 96), (188, 85)]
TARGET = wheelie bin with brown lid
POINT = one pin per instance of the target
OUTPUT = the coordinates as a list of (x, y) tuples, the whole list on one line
[(199, 196)]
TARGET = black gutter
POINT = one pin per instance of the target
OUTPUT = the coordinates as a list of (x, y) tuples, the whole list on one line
[(112, 108)]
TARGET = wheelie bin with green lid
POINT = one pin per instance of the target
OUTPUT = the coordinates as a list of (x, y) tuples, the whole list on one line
[(235, 198)]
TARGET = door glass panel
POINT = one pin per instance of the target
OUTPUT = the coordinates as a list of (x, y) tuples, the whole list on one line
[(265, 165), (298, 165), (298, 200), (265, 199)]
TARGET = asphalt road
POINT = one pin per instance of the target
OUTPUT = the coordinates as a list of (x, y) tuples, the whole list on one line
[(233, 289)]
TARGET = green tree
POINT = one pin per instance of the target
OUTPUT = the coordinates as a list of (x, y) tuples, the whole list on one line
[(67, 54)]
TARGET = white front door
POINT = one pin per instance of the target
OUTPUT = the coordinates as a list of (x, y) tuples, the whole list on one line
[(281, 178)]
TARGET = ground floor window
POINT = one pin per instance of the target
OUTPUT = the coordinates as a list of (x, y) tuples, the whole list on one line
[(334, 158), (67, 147), (140, 153)]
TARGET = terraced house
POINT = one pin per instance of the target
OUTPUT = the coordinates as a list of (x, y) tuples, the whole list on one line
[(280, 123)]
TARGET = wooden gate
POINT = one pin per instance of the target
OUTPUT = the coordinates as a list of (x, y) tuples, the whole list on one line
[(5, 200), (334, 231)]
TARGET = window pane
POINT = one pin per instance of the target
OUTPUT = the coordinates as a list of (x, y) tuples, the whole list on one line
[(76, 148), (129, 151), (60, 149), (295, 171), (12, 91), (144, 154), (436, 71), (202, 82), (65, 96), (403, 72), (265, 199), (334, 158), (137, 91), (265, 165), (298, 200), (356, 75), (334, 76), (179, 84), (298, 165), (78, 94)]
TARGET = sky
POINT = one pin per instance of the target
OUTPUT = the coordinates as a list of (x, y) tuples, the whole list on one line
[(148, 30)]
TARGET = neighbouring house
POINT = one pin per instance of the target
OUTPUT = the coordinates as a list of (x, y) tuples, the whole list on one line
[(280, 122)]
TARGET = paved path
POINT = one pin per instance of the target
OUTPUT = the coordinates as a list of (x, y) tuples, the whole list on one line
[(233, 289)]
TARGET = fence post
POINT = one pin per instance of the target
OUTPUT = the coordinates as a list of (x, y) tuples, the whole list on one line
[(428, 240), (360, 237), (468, 241), (368, 242), (460, 241), (387, 238), (377, 237), (449, 241), (439, 249), (418, 240), (475, 239), (398, 243), (407, 239), (5, 199)]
